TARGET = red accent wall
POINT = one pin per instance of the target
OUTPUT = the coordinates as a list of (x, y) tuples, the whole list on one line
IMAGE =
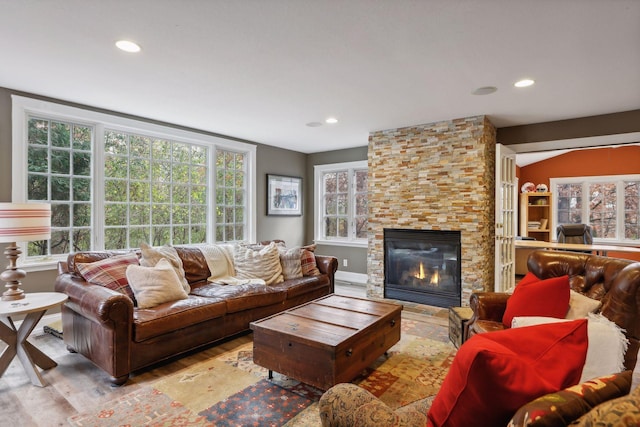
[(593, 162)]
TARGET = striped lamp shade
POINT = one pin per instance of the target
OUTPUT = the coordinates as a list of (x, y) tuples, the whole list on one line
[(25, 222)]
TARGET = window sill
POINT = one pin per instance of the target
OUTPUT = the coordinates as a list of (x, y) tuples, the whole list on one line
[(347, 243)]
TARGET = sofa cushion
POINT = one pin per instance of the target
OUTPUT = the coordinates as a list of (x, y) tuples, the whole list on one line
[(303, 285), (563, 407), (261, 262), (493, 374), (155, 285), (242, 297), (548, 298), (150, 257), (110, 272), (169, 317)]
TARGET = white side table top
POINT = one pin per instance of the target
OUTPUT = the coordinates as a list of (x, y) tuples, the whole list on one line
[(37, 301)]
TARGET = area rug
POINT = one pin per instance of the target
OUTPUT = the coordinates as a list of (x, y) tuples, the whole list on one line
[(230, 390)]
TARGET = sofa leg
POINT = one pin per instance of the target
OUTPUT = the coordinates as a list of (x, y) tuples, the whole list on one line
[(118, 381)]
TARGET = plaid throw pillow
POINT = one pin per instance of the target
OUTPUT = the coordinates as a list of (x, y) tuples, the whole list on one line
[(110, 273), (308, 264)]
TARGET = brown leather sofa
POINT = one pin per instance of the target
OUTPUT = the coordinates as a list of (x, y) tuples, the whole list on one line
[(104, 326), (615, 282)]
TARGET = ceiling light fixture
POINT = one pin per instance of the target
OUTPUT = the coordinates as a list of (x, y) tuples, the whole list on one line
[(128, 46), (524, 83), (331, 120), (314, 124), (485, 90)]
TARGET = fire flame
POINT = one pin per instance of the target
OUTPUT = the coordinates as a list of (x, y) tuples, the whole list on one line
[(434, 278), (420, 275)]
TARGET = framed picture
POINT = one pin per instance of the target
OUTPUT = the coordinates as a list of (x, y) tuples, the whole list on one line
[(284, 195)]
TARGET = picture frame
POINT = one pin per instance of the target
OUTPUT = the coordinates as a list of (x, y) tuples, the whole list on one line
[(284, 195)]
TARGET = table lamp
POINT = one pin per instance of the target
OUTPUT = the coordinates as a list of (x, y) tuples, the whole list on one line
[(21, 222)]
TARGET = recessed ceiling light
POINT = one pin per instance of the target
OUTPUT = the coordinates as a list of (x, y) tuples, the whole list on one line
[(314, 124), (524, 83), (128, 46), (331, 120), (485, 90)]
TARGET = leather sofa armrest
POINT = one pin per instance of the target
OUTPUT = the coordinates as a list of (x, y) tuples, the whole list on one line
[(328, 265), (94, 302), (488, 305)]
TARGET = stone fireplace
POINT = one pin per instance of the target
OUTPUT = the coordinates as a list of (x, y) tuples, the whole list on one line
[(438, 176)]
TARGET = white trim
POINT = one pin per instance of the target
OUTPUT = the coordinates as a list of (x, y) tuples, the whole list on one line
[(591, 141), (362, 243), (347, 276)]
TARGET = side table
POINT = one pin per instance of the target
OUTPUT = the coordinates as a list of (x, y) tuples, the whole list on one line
[(34, 305), (458, 318)]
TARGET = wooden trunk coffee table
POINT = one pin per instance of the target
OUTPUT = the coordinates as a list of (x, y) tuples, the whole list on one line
[(326, 341)]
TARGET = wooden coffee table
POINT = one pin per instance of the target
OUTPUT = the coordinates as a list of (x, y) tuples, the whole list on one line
[(326, 341)]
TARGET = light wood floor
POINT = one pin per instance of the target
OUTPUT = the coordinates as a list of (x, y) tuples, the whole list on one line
[(76, 385)]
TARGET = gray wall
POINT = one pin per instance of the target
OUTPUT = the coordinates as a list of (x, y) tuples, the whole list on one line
[(269, 160), (278, 161), (356, 257)]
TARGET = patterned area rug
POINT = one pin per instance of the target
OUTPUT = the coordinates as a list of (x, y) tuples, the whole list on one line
[(230, 390)]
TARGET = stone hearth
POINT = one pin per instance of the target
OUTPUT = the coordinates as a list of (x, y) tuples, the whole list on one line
[(438, 176)]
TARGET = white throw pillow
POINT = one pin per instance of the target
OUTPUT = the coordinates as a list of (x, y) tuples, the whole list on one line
[(291, 264), (580, 306), (262, 262), (607, 344), (151, 256), (153, 286)]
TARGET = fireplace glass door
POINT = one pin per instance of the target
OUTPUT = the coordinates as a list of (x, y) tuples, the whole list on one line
[(422, 266)]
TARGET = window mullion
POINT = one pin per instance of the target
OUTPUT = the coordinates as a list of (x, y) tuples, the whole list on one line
[(98, 192)]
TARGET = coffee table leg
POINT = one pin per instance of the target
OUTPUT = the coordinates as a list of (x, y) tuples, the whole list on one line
[(270, 374)]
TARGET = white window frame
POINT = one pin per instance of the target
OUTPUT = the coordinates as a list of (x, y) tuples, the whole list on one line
[(23, 107), (586, 181), (318, 191)]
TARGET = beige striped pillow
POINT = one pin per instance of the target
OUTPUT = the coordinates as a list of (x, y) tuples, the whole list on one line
[(258, 263), (290, 260)]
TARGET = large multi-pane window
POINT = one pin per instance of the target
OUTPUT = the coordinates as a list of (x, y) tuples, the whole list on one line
[(114, 183), (609, 204), (341, 214), (155, 191), (59, 172), (230, 195)]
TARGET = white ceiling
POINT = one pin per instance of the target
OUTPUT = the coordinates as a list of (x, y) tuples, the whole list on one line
[(261, 70)]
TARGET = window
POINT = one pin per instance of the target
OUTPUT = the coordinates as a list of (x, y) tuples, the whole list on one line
[(114, 183), (341, 204), (230, 196), (609, 204)]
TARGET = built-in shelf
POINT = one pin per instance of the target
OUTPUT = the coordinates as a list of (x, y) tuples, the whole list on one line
[(535, 215)]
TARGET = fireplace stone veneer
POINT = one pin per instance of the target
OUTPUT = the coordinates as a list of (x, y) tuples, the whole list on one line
[(438, 176)]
